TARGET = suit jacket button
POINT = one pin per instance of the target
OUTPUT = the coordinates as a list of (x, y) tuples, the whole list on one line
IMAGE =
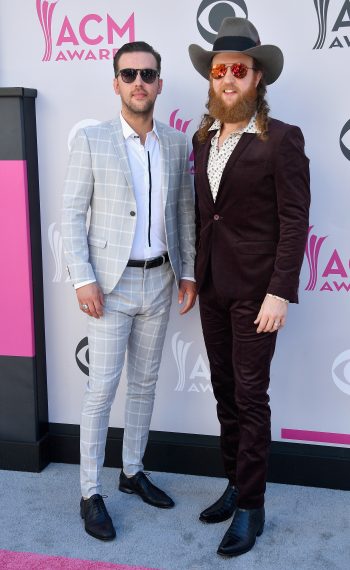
[(216, 217), (132, 213)]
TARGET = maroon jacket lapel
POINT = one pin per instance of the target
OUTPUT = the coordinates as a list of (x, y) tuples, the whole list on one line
[(202, 157), (241, 146), (201, 164)]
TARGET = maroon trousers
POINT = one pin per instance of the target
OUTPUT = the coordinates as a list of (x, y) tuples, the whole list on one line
[(239, 361)]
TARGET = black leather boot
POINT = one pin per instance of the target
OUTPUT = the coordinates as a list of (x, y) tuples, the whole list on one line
[(222, 509), (240, 537)]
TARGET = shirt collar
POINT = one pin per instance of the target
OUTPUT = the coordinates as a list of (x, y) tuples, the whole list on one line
[(128, 131), (250, 128)]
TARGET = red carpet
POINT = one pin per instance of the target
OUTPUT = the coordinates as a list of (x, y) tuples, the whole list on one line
[(28, 561)]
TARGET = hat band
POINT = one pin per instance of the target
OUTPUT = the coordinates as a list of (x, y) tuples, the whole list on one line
[(233, 43)]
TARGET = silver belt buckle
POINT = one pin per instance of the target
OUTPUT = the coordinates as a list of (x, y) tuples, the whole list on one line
[(163, 257), (145, 264)]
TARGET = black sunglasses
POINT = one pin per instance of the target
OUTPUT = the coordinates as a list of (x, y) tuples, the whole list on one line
[(129, 75)]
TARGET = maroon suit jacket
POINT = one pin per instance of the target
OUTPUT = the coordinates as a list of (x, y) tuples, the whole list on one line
[(253, 236)]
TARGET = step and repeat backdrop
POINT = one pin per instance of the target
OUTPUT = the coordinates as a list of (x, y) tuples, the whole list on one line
[(65, 49)]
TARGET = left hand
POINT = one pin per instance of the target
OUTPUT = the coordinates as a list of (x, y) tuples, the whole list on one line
[(187, 293), (272, 315)]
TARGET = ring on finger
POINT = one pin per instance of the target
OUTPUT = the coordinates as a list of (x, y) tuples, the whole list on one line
[(84, 307)]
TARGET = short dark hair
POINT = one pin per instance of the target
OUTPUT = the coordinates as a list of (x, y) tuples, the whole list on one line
[(132, 47)]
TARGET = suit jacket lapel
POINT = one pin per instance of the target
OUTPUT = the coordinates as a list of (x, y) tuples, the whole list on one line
[(202, 157), (164, 160), (120, 149), (241, 146)]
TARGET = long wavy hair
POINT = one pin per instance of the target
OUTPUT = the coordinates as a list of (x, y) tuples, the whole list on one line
[(262, 113)]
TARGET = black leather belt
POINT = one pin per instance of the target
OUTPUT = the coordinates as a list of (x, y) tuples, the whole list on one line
[(148, 263)]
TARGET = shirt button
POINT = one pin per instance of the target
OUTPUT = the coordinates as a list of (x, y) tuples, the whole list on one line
[(216, 217), (132, 213)]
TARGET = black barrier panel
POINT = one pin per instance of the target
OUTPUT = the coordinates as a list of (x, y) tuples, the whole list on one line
[(23, 389)]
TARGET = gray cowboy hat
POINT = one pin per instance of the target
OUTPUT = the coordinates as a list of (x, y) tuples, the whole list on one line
[(239, 35)]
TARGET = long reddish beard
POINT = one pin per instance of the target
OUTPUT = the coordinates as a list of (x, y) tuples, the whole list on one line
[(242, 110)]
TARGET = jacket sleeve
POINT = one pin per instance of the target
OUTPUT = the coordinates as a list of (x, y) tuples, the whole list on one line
[(78, 190), (292, 181), (196, 208), (186, 229)]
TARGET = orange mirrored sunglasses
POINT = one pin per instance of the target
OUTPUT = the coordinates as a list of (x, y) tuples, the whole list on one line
[(238, 70)]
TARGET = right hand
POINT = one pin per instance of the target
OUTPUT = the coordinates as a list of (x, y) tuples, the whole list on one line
[(92, 296)]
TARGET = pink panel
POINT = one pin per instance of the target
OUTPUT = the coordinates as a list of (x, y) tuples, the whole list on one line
[(9, 559), (317, 436), (16, 312)]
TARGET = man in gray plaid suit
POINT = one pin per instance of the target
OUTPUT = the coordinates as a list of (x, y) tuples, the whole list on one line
[(133, 174)]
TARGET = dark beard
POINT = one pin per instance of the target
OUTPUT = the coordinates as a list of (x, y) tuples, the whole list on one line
[(242, 110), (146, 110)]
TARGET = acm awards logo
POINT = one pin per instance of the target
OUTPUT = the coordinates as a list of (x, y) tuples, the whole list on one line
[(91, 38), (211, 13), (333, 273), (337, 28), (198, 379)]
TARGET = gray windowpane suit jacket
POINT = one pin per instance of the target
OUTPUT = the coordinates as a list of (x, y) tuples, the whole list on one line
[(99, 176)]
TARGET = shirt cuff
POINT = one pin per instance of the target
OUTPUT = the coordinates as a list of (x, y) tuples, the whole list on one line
[(82, 283), (277, 297)]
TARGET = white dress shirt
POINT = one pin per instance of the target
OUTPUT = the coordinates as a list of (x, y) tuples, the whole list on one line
[(219, 157), (144, 160)]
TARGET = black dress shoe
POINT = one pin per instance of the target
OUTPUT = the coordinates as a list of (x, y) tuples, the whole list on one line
[(223, 509), (143, 487), (240, 537), (98, 523)]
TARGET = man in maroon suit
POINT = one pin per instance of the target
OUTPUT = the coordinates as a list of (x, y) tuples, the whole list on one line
[(252, 203)]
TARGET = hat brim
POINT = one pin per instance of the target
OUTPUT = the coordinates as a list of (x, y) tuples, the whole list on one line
[(269, 56)]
